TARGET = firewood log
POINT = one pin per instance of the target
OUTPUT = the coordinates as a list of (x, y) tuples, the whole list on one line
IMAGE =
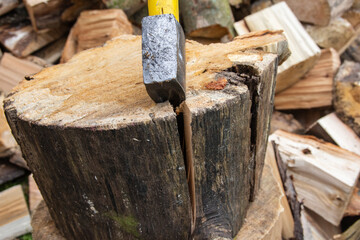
[(130, 7), (122, 168), (8, 5), (304, 52), (352, 53), (346, 97), (313, 90)]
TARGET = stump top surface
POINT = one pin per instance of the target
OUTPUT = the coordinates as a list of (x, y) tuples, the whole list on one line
[(103, 87)]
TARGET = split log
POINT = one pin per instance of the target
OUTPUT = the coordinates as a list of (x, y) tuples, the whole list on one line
[(338, 34), (73, 12), (315, 89), (207, 18), (317, 228), (268, 217), (122, 168), (304, 50), (13, 70), (22, 40), (8, 5), (35, 197), (260, 5), (285, 122), (8, 144), (352, 53), (52, 52), (307, 117), (93, 28), (354, 205), (45, 14), (14, 214), (347, 92), (9, 172), (130, 7), (333, 130), (353, 233), (324, 175), (353, 17)]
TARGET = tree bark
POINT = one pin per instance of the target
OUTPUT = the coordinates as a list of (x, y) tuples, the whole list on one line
[(121, 160), (207, 18)]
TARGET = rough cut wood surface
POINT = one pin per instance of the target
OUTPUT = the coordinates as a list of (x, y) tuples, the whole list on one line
[(347, 95), (93, 28), (304, 51), (13, 70), (315, 89), (22, 40), (338, 34), (99, 96), (319, 12), (7, 141), (285, 122), (332, 129), (324, 175), (207, 18), (14, 214)]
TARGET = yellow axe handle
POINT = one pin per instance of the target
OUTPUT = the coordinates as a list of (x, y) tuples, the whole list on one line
[(158, 7)]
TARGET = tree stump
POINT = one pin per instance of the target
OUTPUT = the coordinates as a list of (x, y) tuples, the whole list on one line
[(110, 163)]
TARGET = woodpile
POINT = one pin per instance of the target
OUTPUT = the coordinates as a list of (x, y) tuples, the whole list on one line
[(266, 145)]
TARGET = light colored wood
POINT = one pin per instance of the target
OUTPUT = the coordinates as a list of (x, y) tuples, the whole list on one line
[(45, 13), (14, 214), (13, 70), (319, 12), (241, 28), (315, 89), (52, 52), (324, 175), (353, 17), (22, 41), (352, 233), (347, 95), (332, 129), (93, 28), (285, 122), (269, 216), (8, 5), (34, 194), (337, 34), (304, 51), (354, 205)]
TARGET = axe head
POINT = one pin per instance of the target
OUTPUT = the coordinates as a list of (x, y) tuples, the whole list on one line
[(163, 58)]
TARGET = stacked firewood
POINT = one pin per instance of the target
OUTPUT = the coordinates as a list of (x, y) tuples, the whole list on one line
[(316, 122)]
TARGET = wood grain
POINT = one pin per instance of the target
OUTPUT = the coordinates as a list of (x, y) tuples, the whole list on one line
[(14, 214)]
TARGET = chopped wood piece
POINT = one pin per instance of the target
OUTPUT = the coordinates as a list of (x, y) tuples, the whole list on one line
[(93, 28), (338, 34), (207, 18), (52, 53), (8, 144), (318, 12), (352, 233), (45, 13), (324, 175), (14, 214), (123, 137), (260, 5), (241, 28), (269, 216), (285, 122), (34, 194), (73, 12), (8, 5), (332, 129), (354, 205), (22, 40), (353, 17), (315, 89), (130, 7), (307, 117), (13, 70), (9, 172), (352, 53), (317, 228), (347, 95), (304, 50)]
